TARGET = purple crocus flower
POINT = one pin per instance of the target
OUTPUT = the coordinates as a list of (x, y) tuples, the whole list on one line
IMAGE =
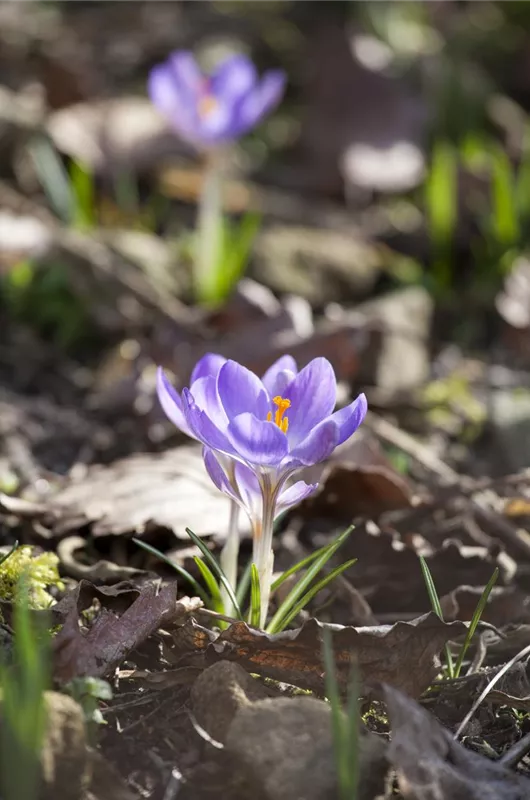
[(257, 433), (210, 110)]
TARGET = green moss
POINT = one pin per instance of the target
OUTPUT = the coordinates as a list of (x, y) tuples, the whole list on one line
[(40, 571), (376, 718)]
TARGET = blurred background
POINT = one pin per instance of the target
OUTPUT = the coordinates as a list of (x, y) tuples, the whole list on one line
[(392, 190)]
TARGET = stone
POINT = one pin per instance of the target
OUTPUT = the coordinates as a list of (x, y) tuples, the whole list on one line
[(510, 420), (64, 757), (284, 747), (220, 692), (271, 748), (317, 264), (403, 318)]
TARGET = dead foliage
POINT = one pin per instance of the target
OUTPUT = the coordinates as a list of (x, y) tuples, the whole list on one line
[(432, 766), (125, 618), (404, 655)]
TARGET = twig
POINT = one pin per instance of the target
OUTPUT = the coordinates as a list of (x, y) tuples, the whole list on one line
[(207, 612), (520, 749), (517, 541), (503, 670), (408, 444)]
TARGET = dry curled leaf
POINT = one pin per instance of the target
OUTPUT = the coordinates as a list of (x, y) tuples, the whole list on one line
[(106, 641), (506, 604), (432, 766), (404, 655), (162, 490), (357, 480)]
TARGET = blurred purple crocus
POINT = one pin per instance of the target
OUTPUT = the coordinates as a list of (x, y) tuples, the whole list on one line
[(209, 110), (257, 433)]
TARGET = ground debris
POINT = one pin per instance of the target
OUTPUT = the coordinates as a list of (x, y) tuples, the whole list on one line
[(432, 766), (404, 655), (102, 645)]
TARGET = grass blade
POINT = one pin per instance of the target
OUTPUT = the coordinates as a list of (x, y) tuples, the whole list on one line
[(314, 590), (216, 569), (216, 601), (353, 723), (23, 704), (303, 584), (5, 556), (522, 184), (337, 718), (243, 584), (504, 221), (82, 184), (436, 607), (197, 588), (255, 597), (299, 566), (238, 242), (53, 178), (441, 210), (475, 619)]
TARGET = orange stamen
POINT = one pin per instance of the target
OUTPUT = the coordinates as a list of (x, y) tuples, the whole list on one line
[(279, 419), (206, 105)]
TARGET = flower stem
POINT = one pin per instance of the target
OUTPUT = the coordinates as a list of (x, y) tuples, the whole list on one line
[(229, 557), (263, 555), (209, 231)]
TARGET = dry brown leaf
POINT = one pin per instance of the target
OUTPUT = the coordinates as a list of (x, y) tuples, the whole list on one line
[(99, 648), (505, 605), (404, 655), (432, 766), (167, 490), (357, 480)]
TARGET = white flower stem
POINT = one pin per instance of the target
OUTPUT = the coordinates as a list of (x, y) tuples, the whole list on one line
[(263, 555), (229, 557), (209, 230)]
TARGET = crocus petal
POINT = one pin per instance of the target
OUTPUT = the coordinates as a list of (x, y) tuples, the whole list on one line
[(187, 76), (206, 397), (171, 403), (279, 375), (217, 473), (203, 428), (241, 391), (161, 89), (349, 418), (312, 394), (210, 364), (249, 490), (217, 125), (173, 88), (166, 96), (263, 99), (316, 446), (233, 79), (294, 494), (256, 441)]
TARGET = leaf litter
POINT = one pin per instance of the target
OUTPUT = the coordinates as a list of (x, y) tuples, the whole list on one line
[(93, 465)]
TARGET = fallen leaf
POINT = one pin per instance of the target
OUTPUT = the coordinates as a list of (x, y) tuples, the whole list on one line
[(98, 649), (432, 766), (505, 605), (72, 555), (167, 490), (106, 133), (357, 480), (517, 507), (404, 655)]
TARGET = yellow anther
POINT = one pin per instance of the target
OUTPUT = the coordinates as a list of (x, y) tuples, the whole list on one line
[(279, 419), (206, 105)]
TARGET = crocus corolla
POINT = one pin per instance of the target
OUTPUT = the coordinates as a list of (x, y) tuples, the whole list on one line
[(258, 432), (209, 110)]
